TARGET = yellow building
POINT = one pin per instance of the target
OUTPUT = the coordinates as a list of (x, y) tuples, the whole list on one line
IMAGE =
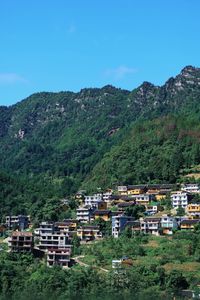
[(89, 233), (193, 208), (160, 196), (189, 224), (102, 214), (68, 224), (135, 192), (136, 189)]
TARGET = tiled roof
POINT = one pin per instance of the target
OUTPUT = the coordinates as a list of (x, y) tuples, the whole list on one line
[(89, 227), (121, 197), (152, 219), (137, 186), (193, 221), (126, 204), (102, 212)]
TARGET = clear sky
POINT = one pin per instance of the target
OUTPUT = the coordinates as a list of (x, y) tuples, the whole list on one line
[(58, 45)]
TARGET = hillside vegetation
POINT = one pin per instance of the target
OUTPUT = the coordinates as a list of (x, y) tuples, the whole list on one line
[(55, 143)]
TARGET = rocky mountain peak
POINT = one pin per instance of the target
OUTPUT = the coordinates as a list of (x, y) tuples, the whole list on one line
[(188, 71), (146, 89)]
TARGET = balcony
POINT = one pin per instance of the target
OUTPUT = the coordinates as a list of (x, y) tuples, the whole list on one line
[(167, 225)]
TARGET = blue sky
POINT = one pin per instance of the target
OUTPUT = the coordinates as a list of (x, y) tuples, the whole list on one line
[(57, 45)]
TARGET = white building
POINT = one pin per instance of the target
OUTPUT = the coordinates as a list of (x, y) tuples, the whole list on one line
[(150, 225), (190, 187), (92, 201), (49, 237), (119, 224), (106, 196), (179, 199), (143, 199), (151, 209), (122, 189), (168, 223), (83, 214)]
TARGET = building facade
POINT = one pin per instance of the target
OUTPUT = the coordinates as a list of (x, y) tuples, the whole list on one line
[(179, 199), (119, 224), (21, 241)]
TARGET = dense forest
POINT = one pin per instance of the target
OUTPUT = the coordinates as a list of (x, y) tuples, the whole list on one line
[(52, 144)]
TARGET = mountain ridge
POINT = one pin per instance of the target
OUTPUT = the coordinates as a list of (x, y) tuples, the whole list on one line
[(186, 72), (97, 136)]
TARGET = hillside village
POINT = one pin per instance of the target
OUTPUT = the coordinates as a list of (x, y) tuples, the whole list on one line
[(147, 209)]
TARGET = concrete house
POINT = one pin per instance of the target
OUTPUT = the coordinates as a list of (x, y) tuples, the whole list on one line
[(193, 209), (84, 214), (119, 224), (136, 189), (20, 222), (21, 241), (102, 214), (92, 201), (168, 224), (190, 188), (179, 199), (150, 225), (50, 237), (143, 199), (122, 189), (59, 257), (89, 233), (189, 224)]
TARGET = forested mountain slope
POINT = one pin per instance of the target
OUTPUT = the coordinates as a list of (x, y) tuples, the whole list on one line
[(100, 137)]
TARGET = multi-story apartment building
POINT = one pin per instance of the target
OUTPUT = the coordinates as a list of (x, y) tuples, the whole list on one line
[(150, 225), (106, 195), (168, 224), (136, 189), (48, 236), (60, 257), (92, 201), (151, 208), (67, 225), (21, 241), (143, 199), (157, 188), (119, 223), (102, 214), (20, 222), (45, 228), (193, 209), (189, 224), (89, 233), (122, 189), (190, 188), (179, 199), (84, 214)]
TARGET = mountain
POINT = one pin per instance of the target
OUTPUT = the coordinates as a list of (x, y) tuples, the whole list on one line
[(100, 137)]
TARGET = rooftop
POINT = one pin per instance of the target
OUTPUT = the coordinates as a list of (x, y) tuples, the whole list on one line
[(102, 212), (21, 233)]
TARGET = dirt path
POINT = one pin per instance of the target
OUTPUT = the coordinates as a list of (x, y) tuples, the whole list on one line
[(77, 260)]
